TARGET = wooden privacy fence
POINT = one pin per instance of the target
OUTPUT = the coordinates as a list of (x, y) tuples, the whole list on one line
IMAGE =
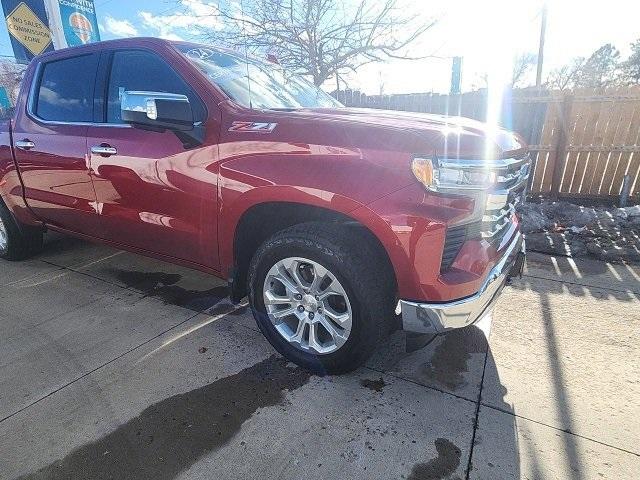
[(583, 142)]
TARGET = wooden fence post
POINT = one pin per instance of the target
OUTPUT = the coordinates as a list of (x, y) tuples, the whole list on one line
[(560, 147)]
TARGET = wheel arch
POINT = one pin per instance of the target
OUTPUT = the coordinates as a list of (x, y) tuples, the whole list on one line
[(260, 220)]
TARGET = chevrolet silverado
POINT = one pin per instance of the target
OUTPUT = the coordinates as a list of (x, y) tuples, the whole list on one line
[(340, 225)]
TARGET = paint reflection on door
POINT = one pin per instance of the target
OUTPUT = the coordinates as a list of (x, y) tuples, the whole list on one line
[(154, 194)]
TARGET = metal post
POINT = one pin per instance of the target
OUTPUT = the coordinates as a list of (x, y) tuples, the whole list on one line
[(626, 188), (543, 31)]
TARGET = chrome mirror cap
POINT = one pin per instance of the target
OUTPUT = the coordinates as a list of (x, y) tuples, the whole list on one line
[(138, 102)]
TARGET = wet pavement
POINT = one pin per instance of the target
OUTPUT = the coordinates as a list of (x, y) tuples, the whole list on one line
[(117, 366)]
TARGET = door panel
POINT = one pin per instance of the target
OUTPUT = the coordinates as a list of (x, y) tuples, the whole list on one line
[(50, 145), (154, 194)]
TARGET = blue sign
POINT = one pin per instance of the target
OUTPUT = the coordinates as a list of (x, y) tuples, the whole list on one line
[(78, 21), (4, 99)]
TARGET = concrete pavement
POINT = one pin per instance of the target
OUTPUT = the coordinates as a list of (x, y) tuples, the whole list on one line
[(117, 366)]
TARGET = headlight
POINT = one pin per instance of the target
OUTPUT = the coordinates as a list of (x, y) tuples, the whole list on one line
[(446, 174)]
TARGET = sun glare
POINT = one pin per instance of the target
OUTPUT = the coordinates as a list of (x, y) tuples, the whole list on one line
[(503, 49)]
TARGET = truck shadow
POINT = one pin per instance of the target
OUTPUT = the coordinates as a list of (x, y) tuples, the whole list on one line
[(165, 286), (581, 277)]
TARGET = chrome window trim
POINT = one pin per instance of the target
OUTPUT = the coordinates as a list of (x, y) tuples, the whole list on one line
[(30, 107), (35, 83)]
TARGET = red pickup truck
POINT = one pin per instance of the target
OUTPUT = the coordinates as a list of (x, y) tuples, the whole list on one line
[(340, 225)]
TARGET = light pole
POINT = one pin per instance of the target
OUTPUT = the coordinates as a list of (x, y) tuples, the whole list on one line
[(543, 31)]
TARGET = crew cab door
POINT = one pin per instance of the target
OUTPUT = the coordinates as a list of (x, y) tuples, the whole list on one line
[(50, 145), (152, 193)]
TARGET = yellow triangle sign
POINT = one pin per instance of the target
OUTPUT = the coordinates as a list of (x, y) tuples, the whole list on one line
[(28, 29)]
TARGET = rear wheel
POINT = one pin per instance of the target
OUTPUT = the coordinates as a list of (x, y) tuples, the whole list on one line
[(318, 296), (17, 242)]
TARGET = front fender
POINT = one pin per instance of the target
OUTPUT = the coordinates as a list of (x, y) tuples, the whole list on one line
[(394, 226)]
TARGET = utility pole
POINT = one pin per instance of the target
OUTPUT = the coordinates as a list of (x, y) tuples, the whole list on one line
[(543, 31)]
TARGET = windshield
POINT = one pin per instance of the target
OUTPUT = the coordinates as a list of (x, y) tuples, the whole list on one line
[(270, 86)]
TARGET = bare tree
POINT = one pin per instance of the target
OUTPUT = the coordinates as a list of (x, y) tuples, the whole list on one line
[(480, 81), (600, 70), (565, 77), (522, 64), (321, 38)]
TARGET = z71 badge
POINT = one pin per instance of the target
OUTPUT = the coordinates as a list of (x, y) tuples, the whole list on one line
[(258, 127)]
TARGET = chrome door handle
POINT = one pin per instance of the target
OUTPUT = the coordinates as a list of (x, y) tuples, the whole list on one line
[(25, 144), (105, 150)]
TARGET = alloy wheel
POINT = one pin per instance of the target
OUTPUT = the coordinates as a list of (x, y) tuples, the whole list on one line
[(307, 305), (4, 238)]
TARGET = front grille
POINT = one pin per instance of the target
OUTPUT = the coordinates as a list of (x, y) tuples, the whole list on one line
[(495, 222), (499, 213), (503, 199)]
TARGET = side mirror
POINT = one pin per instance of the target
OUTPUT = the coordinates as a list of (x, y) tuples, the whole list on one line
[(162, 111), (157, 109)]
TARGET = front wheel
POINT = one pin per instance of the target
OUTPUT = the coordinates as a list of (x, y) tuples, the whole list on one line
[(318, 297)]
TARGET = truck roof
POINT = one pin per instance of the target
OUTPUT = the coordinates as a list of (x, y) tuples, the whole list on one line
[(128, 42)]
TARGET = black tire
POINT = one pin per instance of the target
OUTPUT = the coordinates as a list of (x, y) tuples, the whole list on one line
[(358, 267), (22, 241)]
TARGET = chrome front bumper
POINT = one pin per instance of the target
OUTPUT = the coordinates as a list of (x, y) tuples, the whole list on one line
[(439, 317)]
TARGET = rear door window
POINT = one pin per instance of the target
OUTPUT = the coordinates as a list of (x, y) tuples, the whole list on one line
[(65, 93)]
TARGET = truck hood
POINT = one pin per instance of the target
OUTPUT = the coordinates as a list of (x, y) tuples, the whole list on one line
[(469, 137)]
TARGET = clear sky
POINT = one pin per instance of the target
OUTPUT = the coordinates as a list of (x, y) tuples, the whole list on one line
[(486, 33)]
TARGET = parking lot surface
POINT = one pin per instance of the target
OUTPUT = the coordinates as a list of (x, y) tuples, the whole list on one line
[(113, 365)]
